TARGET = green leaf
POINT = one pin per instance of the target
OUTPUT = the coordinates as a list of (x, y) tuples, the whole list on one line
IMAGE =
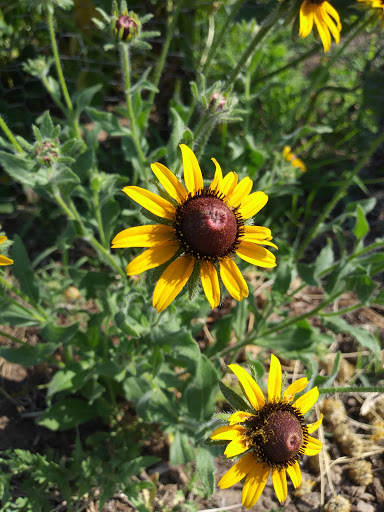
[(181, 450), (26, 355), (106, 121), (201, 392), (175, 138), (13, 314), (67, 414), (18, 167), (283, 277), (328, 380), (83, 98), (47, 128), (52, 332), (361, 226), (23, 271), (364, 337), (206, 470), (234, 399), (325, 259), (72, 377)]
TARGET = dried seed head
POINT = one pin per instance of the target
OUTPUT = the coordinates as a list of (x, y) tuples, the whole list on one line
[(334, 411), (361, 472), (378, 431), (338, 504), (350, 443), (305, 488)]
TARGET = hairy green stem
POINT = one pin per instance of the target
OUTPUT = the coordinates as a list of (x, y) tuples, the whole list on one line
[(54, 97), (163, 56), (99, 219), (352, 389), (202, 141), (340, 193), (124, 52), (10, 136)]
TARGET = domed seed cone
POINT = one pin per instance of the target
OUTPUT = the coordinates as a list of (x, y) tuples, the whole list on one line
[(128, 24), (284, 435), (207, 227)]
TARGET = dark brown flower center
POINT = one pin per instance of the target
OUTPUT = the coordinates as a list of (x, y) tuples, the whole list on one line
[(284, 435), (206, 227)]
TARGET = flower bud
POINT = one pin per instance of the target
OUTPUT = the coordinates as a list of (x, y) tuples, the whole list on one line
[(217, 102), (126, 27)]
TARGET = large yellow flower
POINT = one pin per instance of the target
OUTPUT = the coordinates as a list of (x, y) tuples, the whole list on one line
[(273, 434), (3, 259), (377, 6), (320, 12), (200, 228)]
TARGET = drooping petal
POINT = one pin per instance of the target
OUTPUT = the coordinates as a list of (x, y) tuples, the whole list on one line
[(172, 281), (279, 480), (240, 192), (294, 388), (152, 202), (3, 239), (210, 282), (239, 417), (228, 433), (228, 184), (253, 204), (330, 24), (335, 15), (5, 261), (251, 389), (169, 181), (295, 474), (306, 20), (143, 236), (267, 242), (236, 447), (287, 153), (218, 177), (152, 258), (192, 172), (255, 233), (307, 401), (313, 446), (274, 381), (233, 279), (238, 471), (323, 30), (254, 484), (314, 426), (253, 253)]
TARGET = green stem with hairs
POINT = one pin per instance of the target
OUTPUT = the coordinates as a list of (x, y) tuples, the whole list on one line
[(10, 136), (352, 389), (202, 142), (124, 52), (54, 97), (163, 56), (340, 193)]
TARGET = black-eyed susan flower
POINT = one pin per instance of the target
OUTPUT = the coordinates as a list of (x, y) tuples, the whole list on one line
[(198, 227), (377, 7), (271, 435), (293, 159), (3, 259), (321, 13)]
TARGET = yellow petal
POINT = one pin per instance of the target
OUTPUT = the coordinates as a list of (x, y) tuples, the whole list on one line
[(287, 152), (152, 258), (306, 19), (253, 204), (172, 281), (228, 184), (313, 446), (152, 202), (330, 24), (232, 279), (254, 484), (143, 236), (192, 172), (218, 177), (274, 381), (236, 447), (240, 192), (239, 417), (5, 261), (210, 282), (279, 480), (294, 388), (3, 239), (323, 30), (250, 387), (228, 433), (266, 242), (307, 401), (169, 181), (332, 11), (256, 255), (238, 471), (314, 426), (295, 474), (255, 233)]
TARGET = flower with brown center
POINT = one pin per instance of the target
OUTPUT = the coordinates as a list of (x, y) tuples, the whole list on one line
[(271, 435), (198, 227), (321, 13)]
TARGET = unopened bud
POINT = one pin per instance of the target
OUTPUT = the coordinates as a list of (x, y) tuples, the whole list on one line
[(217, 102), (126, 27)]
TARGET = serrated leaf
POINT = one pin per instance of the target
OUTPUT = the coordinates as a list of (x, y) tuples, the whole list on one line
[(234, 399)]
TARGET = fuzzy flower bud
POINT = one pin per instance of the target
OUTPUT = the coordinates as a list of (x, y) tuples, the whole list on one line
[(126, 27)]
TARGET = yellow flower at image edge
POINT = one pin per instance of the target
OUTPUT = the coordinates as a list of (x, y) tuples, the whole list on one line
[(274, 435), (292, 158), (3, 259), (198, 226), (377, 6), (320, 12)]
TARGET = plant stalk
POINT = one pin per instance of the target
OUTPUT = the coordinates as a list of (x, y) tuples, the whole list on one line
[(10, 136)]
